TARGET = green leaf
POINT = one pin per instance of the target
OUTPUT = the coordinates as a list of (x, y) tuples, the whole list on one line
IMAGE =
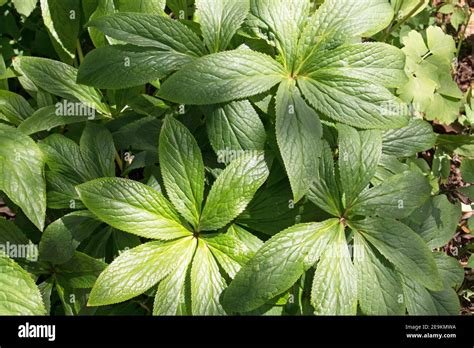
[(438, 226), (325, 192), (233, 190), (59, 79), (9, 232), (388, 167), (170, 294), (340, 21), (123, 66), (252, 242), (182, 168), (421, 301), (19, 294), (402, 247), (14, 107), (359, 156), (142, 6), (439, 43), (396, 197), (47, 118), (278, 265), (132, 207), (61, 238), (279, 22), (103, 8), (63, 156), (354, 102), (62, 19), (235, 126), (22, 174), (374, 62), (334, 290), (230, 252), (379, 286), (416, 137), (450, 270), (81, 271), (220, 20), (444, 109), (273, 209), (222, 77), (404, 7), (467, 170), (24, 7), (207, 283), (137, 270), (97, 148), (150, 30), (61, 192), (298, 133)]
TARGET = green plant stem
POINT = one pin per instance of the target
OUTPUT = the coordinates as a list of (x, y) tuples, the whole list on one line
[(119, 161), (79, 52), (463, 32), (403, 20)]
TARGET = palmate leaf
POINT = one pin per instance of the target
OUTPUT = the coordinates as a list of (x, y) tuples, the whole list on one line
[(22, 173), (278, 265), (233, 190), (182, 169), (220, 20), (137, 270), (132, 207), (298, 133), (19, 294), (222, 77)]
